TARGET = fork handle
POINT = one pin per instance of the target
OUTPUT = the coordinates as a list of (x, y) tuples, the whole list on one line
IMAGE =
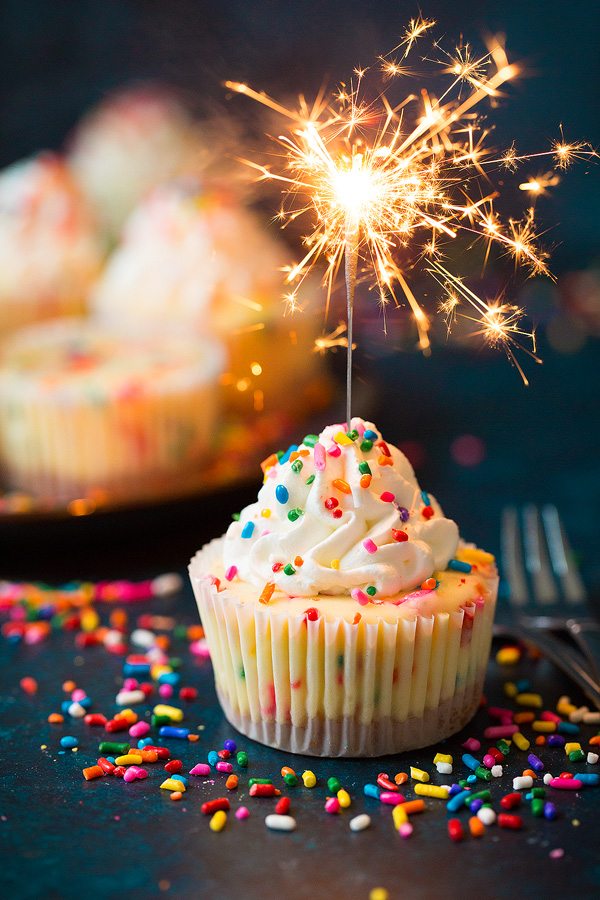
[(569, 661), (586, 634)]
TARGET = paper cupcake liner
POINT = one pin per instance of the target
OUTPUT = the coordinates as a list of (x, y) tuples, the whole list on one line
[(118, 446), (331, 688)]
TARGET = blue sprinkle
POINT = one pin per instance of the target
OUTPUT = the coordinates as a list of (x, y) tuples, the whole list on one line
[(471, 779), (230, 745), (64, 706), (288, 453), (111, 759), (470, 761), (248, 530), (372, 790), (454, 789), (180, 778), (588, 777), (86, 702), (68, 742), (567, 728), (458, 566), (555, 740), (370, 434), (143, 742), (282, 493), (523, 685), (456, 802), (425, 498), (172, 732), (549, 811), (213, 757), (132, 670), (172, 678)]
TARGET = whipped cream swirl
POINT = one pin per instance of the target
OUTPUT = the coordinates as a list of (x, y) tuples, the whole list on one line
[(340, 514)]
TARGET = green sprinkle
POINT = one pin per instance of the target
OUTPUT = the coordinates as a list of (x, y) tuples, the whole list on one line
[(310, 479), (537, 807), (352, 434), (483, 773), (295, 513), (289, 569), (464, 783), (242, 672), (536, 793), (297, 465), (576, 755), (310, 440), (159, 721), (340, 660), (252, 781), (371, 590), (334, 784), (236, 517), (503, 747), (364, 468), (290, 779), (479, 795), (114, 749), (279, 454), (242, 759), (366, 445)]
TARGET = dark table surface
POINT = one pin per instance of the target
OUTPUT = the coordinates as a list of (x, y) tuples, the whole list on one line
[(63, 837)]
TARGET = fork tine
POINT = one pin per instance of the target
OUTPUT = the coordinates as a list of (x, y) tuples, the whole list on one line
[(512, 557), (537, 563), (561, 557)]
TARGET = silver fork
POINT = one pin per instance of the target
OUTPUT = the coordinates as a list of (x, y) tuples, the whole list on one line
[(539, 555)]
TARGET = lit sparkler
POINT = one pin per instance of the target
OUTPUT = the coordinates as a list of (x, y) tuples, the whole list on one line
[(386, 183)]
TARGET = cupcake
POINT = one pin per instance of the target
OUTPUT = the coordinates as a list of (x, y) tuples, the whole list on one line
[(197, 259), (344, 615), (134, 140), (49, 252), (86, 413)]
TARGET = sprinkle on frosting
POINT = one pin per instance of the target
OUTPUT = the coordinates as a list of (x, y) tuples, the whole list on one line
[(349, 533)]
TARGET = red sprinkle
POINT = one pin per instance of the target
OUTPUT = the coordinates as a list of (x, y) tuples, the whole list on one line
[(276, 567), (311, 614), (282, 807), (384, 448), (427, 512), (174, 766), (264, 790), (399, 535), (29, 685), (212, 806), (506, 820), (510, 801), (455, 829), (337, 514), (331, 503)]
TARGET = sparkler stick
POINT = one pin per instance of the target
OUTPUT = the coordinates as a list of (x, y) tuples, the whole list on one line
[(350, 265)]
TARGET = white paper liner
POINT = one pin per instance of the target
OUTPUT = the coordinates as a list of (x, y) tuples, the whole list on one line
[(331, 688)]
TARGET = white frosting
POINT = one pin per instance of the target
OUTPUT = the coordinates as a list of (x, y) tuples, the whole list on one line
[(318, 537)]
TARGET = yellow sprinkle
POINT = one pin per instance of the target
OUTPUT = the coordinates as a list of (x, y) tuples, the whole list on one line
[(265, 513), (171, 784), (508, 656), (129, 759), (344, 798), (159, 669), (431, 790), (218, 820), (161, 709), (130, 715), (475, 556), (418, 774), (521, 741), (89, 620), (335, 563), (510, 689), (399, 816), (309, 779), (544, 727), (443, 758), (571, 746), (564, 706), (529, 700), (343, 439), (378, 893)]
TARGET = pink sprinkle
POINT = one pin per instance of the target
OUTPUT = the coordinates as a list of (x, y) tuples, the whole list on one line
[(139, 772), (139, 729), (500, 731), (499, 712), (334, 450), (242, 812), (78, 694), (387, 497), (406, 830), (392, 798), (166, 690), (200, 648), (231, 573), (415, 595), (360, 596), (320, 457), (224, 767), (370, 546), (472, 745), (359, 426), (332, 805), (200, 769), (489, 761), (129, 775), (566, 784), (557, 853), (130, 684)]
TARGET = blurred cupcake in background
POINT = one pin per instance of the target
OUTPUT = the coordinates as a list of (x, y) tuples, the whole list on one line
[(198, 260), (135, 139), (85, 413), (49, 251)]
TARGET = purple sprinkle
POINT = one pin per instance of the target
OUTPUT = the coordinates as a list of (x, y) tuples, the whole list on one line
[(476, 804), (404, 513), (555, 740), (535, 762), (558, 853)]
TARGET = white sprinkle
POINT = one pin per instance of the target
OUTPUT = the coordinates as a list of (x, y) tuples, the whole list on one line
[(141, 637), (577, 715), (522, 782), (280, 823), (592, 758), (497, 771), (548, 777), (591, 718), (359, 823), (169, 583), (76, 711), (444, 768), (486, 815), (130, 698)]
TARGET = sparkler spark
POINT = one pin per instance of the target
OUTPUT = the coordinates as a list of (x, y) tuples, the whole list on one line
[(385, 184)]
